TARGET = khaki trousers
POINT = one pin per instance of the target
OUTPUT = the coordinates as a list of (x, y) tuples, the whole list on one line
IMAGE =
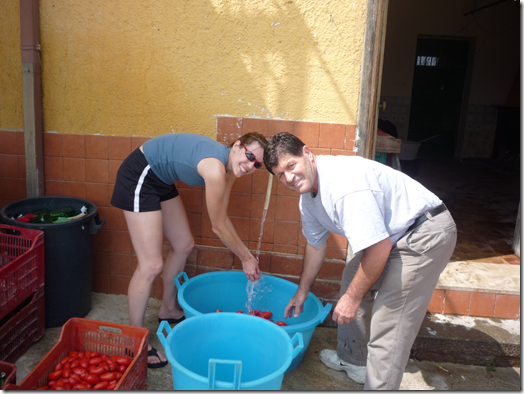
[(391, 314)]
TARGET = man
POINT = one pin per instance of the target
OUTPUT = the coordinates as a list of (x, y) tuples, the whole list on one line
[(402, 236)]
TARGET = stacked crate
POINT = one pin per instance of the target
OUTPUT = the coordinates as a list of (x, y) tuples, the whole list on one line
[(22, 306)]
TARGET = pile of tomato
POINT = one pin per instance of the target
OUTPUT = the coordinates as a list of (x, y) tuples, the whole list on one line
[(266, 315), (87, 371)]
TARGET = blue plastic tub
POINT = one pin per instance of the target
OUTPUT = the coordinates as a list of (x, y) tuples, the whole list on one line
[(228, 351), (227, 291)]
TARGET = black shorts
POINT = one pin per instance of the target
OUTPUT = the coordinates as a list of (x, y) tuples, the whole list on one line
[(137, 188)]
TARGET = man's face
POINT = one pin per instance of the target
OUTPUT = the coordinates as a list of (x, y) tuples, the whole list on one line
[(298, 173)]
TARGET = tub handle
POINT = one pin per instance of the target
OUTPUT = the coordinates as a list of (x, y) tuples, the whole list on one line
[(325, 311), (164, 325), (96, 224), (177, 282), (297, 338), (212, 369)]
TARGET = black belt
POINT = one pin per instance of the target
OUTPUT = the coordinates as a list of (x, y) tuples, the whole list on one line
[(422, 218)]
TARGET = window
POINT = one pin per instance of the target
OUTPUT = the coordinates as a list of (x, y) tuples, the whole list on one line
[(431, 61)]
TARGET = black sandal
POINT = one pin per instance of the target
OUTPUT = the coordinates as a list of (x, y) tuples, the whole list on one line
[(154, 352), (172, 321)]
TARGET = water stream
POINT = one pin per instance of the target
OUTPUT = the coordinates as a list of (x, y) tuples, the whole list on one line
[(253, 286)]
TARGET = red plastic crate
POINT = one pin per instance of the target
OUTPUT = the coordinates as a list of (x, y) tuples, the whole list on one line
[(21, 265), (10, 372), (110, 338), (22, 327)]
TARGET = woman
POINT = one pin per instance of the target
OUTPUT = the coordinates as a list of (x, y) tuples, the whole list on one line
[(146, 192)]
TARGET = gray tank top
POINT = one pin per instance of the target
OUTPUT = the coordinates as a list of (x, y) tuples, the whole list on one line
[(174, 157)]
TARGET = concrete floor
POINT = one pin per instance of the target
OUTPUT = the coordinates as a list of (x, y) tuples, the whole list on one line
[(310, 375)]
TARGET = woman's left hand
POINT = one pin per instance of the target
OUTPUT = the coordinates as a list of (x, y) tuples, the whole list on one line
[(251, 268)]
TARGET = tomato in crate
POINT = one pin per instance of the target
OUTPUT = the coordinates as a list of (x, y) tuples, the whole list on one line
[(121, 343)]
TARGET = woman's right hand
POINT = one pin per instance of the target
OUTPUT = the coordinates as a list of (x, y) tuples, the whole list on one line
[(251, 269)]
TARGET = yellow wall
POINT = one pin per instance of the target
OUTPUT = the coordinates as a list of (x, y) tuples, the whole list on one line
[(11, 108), (141, 68)]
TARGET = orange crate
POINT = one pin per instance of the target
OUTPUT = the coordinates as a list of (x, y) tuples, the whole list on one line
[(21, 265), (110, 338), (22, 327), (10, 373)]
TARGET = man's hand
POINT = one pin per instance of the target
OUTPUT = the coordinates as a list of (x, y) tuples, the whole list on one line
[(371, 266), (296, 304), (251, 269), (346, 309)]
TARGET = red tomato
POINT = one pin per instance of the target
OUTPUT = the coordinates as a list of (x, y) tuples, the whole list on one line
[(66, 373), (54, 375), (75, 364), (101, 386), (72, 358), (80, 354), (51, 383), (239, 311), (92, 378), (97, 370), (95, 354), (58, 367), (106, 367), (83, 375), (74, 379), (118, 375), (58, 387), (80, 386), (73, 354), (84, 362), (87, 354), (108, 376), (78, 371), (123, 361), (67, 386), (122, 368), (257, 313), (218, 310), (266, 315), (95, 360), (281, 323), (65, 360), (111, 386)]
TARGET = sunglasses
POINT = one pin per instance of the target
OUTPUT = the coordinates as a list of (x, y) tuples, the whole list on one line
[(251, 157)]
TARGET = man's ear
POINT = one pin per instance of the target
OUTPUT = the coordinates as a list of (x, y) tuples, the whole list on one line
[(307, 152)]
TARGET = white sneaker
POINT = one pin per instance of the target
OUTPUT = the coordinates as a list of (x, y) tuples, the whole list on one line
[(330, 359)]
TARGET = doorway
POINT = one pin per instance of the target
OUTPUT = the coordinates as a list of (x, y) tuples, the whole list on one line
[(437, 96)]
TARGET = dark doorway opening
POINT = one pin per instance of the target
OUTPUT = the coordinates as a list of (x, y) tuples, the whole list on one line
[(437, 94)]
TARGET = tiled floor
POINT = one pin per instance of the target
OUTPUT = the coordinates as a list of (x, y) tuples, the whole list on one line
[(483, 198), (483, 276)]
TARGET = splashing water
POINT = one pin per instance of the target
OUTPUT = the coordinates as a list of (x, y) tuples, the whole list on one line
[(255, 290)]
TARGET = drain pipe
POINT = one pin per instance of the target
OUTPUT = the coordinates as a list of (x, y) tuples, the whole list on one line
[(32, 96)]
